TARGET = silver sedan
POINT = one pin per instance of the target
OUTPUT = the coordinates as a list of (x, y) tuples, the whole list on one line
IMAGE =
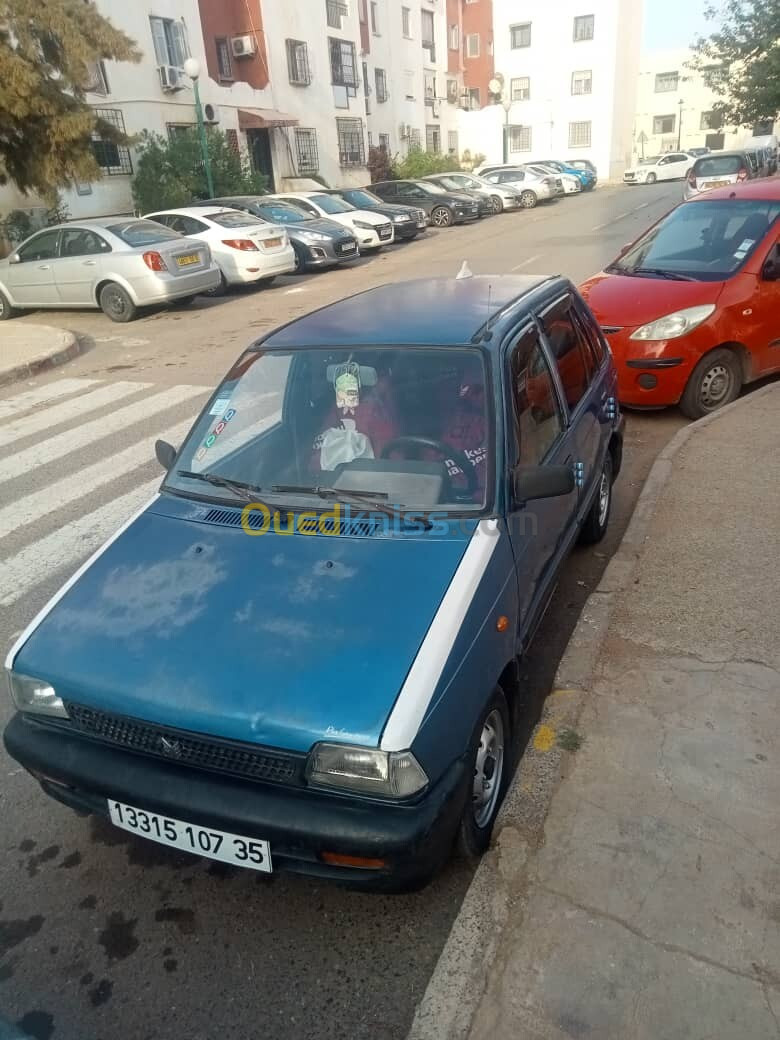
[(118, 264)]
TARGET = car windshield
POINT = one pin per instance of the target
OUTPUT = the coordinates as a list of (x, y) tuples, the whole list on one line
[(282, 213), (719, 165), (449, 183), (331, 204), (405, 427), (707, 240), (362, 198), (651, 160), (233, 219), (139, 233)]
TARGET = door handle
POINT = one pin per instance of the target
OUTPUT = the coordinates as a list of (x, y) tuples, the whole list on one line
[(90, 263), (44, 267)]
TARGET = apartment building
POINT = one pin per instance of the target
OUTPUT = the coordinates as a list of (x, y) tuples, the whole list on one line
[(568, 76), (675, 106), (302, 89)]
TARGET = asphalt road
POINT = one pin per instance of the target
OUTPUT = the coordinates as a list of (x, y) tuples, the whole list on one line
[(102, 935)]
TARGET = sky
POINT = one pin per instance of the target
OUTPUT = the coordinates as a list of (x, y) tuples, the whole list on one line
[(673, 23)]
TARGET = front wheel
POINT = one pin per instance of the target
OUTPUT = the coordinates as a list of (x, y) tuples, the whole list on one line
[(490, 753), (116, 304), (528, 199), (7, 311), (651, 178), (715, 382), (441, 216), (597, 520), (496, 203)]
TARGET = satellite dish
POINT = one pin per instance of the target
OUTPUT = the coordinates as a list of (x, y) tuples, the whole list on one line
[(495, 85)]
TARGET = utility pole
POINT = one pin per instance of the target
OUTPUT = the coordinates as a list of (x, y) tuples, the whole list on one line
[(680, 104)]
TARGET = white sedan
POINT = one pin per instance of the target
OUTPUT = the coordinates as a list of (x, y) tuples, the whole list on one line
[(571, 184), (533, 187), (669, 167), (371, 229), (245, 248)]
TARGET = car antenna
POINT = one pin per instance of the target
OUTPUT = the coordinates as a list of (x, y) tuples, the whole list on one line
[(489, 302)]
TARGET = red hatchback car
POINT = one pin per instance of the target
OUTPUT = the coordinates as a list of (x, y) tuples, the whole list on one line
[(691, 309)]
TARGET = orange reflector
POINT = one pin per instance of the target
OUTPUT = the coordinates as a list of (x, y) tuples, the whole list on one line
[(337, 860), (502, 624)]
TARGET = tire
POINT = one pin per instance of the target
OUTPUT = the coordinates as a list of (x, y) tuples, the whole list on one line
[(498, 203), (116, 304), (651, 178), (218, 290), (715, 382), (528, 199), (7, 310), (441, 216), (476, 824), (300, 262), (597, 520), (687, 173)]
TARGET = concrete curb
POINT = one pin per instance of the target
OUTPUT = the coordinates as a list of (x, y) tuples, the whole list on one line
[(496, 891), (65, 346)]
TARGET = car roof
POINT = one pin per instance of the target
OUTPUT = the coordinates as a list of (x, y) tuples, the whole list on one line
[(446, 311), (739, 152), (92, 222), (766, 189), (194, 211)]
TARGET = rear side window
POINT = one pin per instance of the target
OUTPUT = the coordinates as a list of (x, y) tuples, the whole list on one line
[(719, 166), (571, 353), (139, 233), (590, 332)]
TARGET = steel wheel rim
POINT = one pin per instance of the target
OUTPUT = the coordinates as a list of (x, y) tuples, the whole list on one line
[(527, 200), (488, 769), (441, 217), (496, 204), (115, 303), (716, 385), (605, 490)]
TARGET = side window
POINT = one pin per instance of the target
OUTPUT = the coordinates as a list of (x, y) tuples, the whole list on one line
[(537, 416), (570, 352), (42, 247), (82, 242), (591, 332), (305, 205), (407, 190), (161, 218), (190, 226)]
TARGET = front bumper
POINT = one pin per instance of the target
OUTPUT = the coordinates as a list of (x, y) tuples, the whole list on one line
[(406, 230), (299, 823), (462, 215), (653, 374), (324, 254)]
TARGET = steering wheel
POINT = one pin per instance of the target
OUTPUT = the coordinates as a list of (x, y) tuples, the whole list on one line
[(458, 457)]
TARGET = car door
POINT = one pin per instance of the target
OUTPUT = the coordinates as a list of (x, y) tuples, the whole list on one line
[(78, 267), (679, 164), (765, 307), (31, 281), (538, 434), (575, 368)]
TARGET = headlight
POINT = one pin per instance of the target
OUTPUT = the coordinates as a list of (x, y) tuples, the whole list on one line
[(364, 226), (402, 218), (313, 236), (35, 696), (393, 774), (677, 324)]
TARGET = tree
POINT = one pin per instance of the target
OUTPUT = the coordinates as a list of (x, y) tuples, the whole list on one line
[(743, 60), (169, 170), (48, 51)]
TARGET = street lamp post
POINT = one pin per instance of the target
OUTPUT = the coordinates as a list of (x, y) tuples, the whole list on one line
[(192, 69), (496, 88), (680, 104)]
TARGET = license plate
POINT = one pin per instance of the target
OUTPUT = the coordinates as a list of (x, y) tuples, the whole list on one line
[(202, 841), (271, 243), (190, 258), (716, 184), (348, 247)]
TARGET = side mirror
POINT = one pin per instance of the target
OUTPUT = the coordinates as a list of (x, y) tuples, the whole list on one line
[(624, 249), (770, 272), (14, 258), (532, 482), (166, 454)]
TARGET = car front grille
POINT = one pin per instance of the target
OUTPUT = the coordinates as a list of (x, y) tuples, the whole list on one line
[(188, 749), (629, 176), (385, 232)]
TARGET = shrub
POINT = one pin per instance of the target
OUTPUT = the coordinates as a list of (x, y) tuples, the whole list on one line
[(419, 163)]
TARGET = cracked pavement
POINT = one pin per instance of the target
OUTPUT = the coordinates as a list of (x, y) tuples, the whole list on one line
[(652, 907)]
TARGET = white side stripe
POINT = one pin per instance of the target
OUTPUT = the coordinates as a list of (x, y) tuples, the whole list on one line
[(418, 689), (19, 573), (44, 611), (80, 436), (41, 395), (78, 485), (68, 410)]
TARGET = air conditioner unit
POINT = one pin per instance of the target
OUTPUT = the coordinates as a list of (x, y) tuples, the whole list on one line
[(211, 113), (171, 77), (243, 46)]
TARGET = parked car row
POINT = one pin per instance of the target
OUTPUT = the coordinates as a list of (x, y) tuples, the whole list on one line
[(702, 169)]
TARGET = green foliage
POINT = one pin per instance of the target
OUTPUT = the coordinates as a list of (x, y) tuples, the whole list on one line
[(45, 123), (170, 170), (419, 163), (471, 162), (746, 46)]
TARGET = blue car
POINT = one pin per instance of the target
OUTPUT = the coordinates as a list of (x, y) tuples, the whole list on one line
[(303, 653), (584, 173)]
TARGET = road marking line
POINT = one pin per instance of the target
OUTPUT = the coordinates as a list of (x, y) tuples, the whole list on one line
[(297, 289), (80, 436), (61, 548), (524, 263), (612, 220), (640, 207), (61, 493), (68, 410), (41, 395)]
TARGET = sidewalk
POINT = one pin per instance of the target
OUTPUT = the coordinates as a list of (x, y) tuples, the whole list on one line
[(27, 349)]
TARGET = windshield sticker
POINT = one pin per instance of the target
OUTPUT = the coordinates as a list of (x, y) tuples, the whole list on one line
[(347, 386), (229, 414), (744, 246), (219, 406), (740, 254)]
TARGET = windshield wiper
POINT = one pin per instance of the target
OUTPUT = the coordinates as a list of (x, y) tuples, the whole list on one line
[(362, 498), (659, 272), (238, 487)]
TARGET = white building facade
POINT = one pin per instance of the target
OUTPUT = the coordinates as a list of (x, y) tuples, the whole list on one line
[(569, 78)]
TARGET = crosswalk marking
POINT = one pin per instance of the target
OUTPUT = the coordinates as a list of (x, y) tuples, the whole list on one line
[(62, 547), (38, 504), (88, 433), (67, 411), (42, 395)]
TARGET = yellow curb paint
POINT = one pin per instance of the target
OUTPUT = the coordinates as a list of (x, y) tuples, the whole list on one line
[(561, 693), (544, 738)]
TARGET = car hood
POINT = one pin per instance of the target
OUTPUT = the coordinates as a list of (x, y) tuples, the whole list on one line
[(322, 224), (367, 216), (280, 640), (392, 209), (628, 300)]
